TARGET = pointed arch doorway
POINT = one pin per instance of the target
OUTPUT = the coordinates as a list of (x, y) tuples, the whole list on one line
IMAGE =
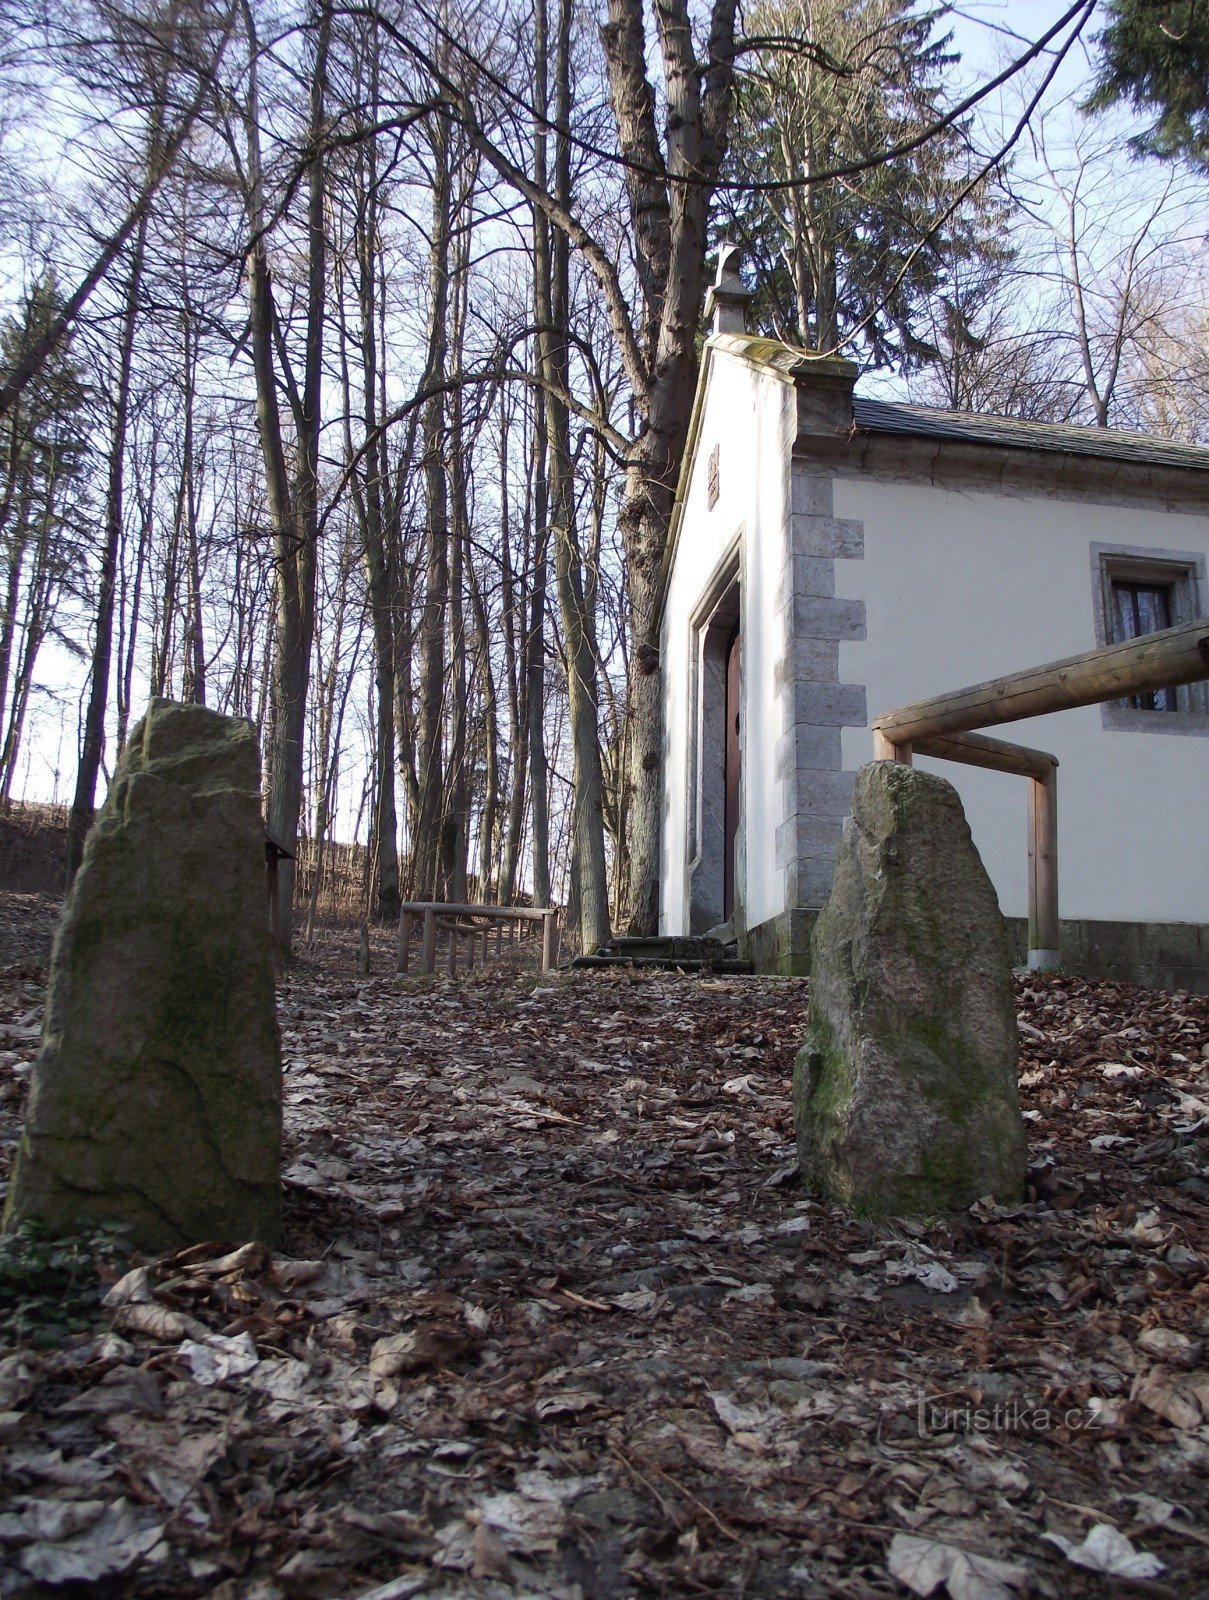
[(714, 833)]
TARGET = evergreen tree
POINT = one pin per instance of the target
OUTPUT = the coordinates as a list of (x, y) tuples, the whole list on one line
[(1154, 54), (835, 82), (43, 497)]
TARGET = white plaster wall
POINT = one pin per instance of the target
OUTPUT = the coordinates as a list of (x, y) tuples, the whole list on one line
[(962, 586), (751, 416)]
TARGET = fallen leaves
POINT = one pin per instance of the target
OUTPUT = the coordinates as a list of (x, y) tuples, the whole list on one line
[(558, 1320), (1107, 1550), (431, 1345), (105, 1541), (925, 1565)]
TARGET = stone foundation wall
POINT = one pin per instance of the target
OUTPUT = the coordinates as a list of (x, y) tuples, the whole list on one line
[(780, 945), (1158, 955)]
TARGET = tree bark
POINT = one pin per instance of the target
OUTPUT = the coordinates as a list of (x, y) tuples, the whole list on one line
[(83, 803), (425, 844), (591, 896), (293, 505)]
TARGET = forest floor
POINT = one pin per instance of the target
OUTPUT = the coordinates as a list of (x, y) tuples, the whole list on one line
[(556, 1318)]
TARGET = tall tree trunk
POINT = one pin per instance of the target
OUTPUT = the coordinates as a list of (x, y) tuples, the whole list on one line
[(194, 673), (516, 632), (384, 833), (126, 657), (429, 748), (669, 173), (579, 640), (18, 544), (293, 506), (456, 830), (488, 824), (84, 800), (535, 641)]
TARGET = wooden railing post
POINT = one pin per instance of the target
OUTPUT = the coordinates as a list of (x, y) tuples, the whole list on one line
[(1044, 929), (428, 949), (549, 941), (275, 916), (405, 922), (884, 749)]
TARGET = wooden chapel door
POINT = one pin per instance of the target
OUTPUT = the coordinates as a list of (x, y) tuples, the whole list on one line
[(731, 809)]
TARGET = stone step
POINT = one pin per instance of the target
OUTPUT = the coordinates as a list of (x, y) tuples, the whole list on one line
[(667, 945), (671, 953), (727, 964)]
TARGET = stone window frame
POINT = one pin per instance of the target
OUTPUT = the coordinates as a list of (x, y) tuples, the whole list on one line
[(1183, 573), (710, 625)]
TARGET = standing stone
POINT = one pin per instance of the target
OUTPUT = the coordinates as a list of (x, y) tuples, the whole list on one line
[(156, 1097), (905, 1095)]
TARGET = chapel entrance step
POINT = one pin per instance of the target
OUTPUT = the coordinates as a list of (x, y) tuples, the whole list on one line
[(672, 954)]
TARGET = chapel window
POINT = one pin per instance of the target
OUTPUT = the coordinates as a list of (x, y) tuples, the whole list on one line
[(1140, 608), (1139, 591)]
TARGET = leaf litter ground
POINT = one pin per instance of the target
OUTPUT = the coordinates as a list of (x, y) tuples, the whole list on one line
[(557, 1319)]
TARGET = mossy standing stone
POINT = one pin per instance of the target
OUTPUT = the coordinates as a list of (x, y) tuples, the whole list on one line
[(905, 1094), (156, 1096)]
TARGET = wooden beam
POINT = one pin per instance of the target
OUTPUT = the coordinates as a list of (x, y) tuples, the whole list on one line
[(505, 913), (975, 750), (428, 949), (1136, 666)]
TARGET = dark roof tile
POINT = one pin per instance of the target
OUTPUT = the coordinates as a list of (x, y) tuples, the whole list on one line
[(892, 416)]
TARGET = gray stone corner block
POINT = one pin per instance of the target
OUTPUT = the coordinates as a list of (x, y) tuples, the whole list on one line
[(808, 660), (905, 1093), (809, 838), (828, 619), (806, 575), (823, 794), (811, 492), (803, 748), (156, 1096), (833, 705), (836, 538), (808, 879)]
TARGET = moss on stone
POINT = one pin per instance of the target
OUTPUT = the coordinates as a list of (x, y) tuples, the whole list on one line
[(156, 1099), (905, 1092)]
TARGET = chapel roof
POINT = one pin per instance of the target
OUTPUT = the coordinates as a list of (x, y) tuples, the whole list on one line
[(897, 417)]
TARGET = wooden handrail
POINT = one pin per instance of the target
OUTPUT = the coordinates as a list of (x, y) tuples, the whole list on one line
[(1041, 769), (940, 727), (1135, 666), (524, 913)]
